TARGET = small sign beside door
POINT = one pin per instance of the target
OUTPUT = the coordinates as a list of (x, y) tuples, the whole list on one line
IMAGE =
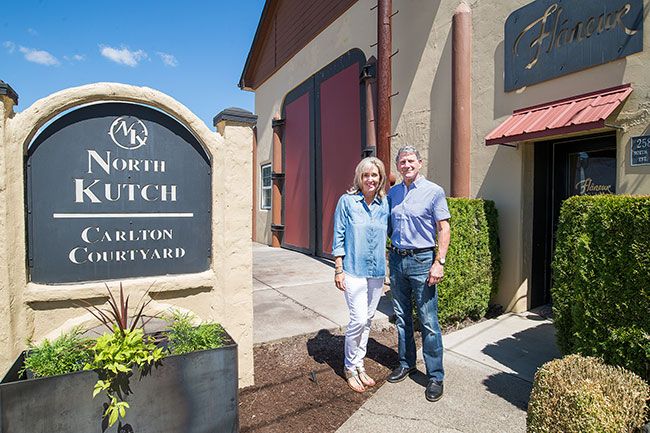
[(640, 150)]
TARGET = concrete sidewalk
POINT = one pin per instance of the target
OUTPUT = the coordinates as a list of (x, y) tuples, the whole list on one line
[(294, 294), (489, 371), (489, 366)]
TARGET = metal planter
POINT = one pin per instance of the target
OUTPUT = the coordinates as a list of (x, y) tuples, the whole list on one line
[(192, 393)]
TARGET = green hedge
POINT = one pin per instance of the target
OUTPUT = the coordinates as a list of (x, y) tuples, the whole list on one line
[(473, 261), (601, 280)]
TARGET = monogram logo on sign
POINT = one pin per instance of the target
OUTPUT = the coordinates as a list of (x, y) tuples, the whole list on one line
[(128, 132)]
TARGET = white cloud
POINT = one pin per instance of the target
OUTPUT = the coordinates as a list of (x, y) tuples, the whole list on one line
[(10, 46), (39, 56), (123, 55), (168, 59), (32, 32), (75, 58)]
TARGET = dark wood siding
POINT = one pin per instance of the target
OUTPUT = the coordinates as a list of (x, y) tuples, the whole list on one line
[(286, 28)]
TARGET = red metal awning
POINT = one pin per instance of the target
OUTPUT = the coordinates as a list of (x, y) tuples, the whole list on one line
[(578, 113)]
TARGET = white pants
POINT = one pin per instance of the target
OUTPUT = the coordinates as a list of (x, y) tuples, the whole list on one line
[(362, 296)]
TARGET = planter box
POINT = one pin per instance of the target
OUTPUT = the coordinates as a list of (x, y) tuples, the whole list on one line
[(191, 393)]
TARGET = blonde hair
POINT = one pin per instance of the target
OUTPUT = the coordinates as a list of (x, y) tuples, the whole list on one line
[(364, 165)]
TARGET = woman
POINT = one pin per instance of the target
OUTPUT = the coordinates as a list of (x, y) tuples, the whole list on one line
[(359, 245)]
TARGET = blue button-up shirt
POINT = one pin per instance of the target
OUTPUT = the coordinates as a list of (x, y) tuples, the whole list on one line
[(414, 212), (360, 235)]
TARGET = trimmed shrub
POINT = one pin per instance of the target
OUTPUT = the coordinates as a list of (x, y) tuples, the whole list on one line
[(584, 395), (473, 261), (601, 280)]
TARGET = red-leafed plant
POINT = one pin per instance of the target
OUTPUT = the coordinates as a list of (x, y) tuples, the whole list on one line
[(117, 315)]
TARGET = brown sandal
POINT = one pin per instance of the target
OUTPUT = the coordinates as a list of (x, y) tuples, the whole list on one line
[(354, 381), (364, 378)]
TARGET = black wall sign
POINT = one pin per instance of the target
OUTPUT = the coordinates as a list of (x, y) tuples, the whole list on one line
[(640, 150), (117, 190), (549, 38)]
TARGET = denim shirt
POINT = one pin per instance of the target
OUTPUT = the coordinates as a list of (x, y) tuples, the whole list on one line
[(360, 235)]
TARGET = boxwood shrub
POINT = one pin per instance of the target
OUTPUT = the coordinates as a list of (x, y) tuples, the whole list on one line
[(583, 395), (473, 261), (601, 280)]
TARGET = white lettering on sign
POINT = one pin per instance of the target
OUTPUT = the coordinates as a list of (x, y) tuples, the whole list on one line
[(96, 235), (640, 150), (588, 186), (120, 164), (117, 191), (81, 255), (91, 235)]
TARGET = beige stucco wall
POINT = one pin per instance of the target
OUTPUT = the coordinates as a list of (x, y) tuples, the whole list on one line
[(355, 29), (222, 294), (421, 112)]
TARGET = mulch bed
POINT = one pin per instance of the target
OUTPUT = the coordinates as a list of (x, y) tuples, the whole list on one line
[(299, 384)]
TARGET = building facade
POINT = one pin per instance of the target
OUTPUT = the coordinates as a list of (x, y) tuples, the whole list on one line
[(559, 106)]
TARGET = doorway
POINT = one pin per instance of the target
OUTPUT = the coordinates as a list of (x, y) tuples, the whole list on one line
[(564, 168), (323, 142)]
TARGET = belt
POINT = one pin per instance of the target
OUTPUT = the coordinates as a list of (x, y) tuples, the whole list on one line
[(402, 252)]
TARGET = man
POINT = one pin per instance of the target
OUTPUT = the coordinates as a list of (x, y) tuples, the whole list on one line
[(419, 217)]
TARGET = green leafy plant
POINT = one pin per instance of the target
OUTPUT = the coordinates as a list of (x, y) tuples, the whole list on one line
[(116, 354), (184, 337), (66, 354)]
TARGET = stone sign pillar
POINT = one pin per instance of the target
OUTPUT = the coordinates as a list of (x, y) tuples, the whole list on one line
[(125, 186), (8, 99)]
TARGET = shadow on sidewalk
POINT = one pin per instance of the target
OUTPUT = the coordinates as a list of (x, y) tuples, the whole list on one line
[(327, 348), (523, 353)]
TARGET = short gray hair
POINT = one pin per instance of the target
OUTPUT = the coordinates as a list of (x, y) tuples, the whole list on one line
[(407, 149)]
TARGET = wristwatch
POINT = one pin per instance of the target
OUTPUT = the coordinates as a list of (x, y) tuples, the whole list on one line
[(442, 261)]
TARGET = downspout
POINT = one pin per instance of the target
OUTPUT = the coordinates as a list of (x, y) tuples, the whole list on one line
[(277, 176), (461, 101), (384, 83), (371, 137)]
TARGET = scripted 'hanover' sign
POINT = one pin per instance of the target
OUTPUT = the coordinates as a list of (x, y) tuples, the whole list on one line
[(117, 190), (549, 38)]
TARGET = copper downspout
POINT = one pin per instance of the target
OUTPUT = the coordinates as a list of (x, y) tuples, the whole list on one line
[(277, 229), (384, 79), (461, 101), (371, 137)]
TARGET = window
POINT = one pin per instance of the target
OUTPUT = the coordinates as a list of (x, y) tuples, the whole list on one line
[(265, 199)]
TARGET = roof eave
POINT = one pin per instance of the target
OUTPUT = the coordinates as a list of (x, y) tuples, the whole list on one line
[(242, 80)]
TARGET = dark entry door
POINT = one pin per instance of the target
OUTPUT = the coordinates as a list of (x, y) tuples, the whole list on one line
[(583, 166), (322, 144)]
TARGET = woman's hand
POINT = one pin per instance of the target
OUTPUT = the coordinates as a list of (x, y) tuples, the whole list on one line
[(339, 280)]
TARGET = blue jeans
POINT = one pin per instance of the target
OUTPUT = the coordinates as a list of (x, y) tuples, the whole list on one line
[(408, 278)]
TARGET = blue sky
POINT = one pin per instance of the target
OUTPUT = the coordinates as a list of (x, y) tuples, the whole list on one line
[(193, 50)]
